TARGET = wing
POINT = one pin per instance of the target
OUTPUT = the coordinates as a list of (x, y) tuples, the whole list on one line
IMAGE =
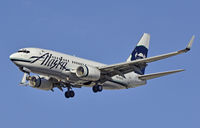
[(126, 67)]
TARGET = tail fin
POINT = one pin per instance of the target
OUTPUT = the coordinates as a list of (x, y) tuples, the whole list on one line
[(140, 52)]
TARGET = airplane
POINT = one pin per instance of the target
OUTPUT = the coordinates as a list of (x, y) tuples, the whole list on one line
[(58, 70)]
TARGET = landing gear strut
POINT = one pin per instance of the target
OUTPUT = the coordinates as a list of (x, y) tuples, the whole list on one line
[(97, 88), (69, 93)]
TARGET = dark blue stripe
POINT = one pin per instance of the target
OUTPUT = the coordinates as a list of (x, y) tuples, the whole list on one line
[(28, 61), (87, 71), (39, 81)]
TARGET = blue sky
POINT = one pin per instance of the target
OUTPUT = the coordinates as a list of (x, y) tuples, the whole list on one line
[(104, 31)]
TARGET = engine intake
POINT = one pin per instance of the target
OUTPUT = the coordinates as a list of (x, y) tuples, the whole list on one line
[(88, 73), (40, 83)]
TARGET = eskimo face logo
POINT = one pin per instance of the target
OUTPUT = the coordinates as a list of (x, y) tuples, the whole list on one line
[(140, 52), (139, 55), (51, 61)]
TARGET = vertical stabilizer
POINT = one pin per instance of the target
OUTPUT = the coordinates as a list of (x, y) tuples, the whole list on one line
[(144, 41), (141, 51)]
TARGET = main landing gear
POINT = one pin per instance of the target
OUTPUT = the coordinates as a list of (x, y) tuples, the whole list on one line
[(97, 88), (69, 93)]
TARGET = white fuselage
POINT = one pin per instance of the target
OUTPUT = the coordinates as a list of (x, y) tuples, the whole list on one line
[(63, 67)]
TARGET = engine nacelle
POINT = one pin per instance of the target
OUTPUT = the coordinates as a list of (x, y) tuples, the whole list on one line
[(40, 83), (88, 73)]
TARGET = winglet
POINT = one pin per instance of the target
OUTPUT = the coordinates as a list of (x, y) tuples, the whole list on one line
[(190, 43)]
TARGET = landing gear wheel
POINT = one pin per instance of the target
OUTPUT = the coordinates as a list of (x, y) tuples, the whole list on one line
[(97, 88), (94, 88), (69, 94)]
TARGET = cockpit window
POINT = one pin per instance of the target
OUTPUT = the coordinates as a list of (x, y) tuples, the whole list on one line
[(24, 51)]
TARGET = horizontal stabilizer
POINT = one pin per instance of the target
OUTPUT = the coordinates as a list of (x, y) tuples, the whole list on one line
[(156, 75)]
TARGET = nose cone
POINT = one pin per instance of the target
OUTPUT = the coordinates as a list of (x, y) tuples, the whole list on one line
[(12, 57)]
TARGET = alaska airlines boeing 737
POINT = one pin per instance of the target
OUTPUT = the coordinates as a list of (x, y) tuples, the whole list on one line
[(59, 70)]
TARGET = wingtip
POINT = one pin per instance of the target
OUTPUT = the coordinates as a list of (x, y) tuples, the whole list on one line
[(146, 33), (190, 43), (181, 70)]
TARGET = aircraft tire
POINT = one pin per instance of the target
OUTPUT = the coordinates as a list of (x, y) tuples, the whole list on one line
[(67, 95), (95, 89), (99, 88), (71, 93)]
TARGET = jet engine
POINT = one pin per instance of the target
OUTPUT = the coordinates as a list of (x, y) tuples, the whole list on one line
[(88, 73), (40, 83)]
